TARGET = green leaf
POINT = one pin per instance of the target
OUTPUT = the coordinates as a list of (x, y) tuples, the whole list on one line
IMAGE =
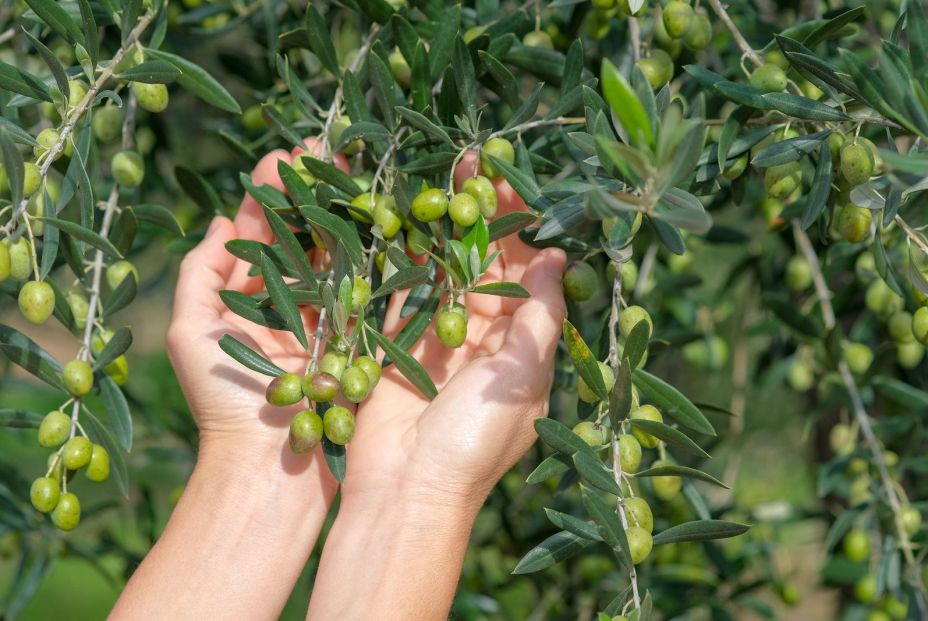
[(151, 72), (121, 298), (100, 434), (790, 150), (680, 471), (58, 72), (636, 343), (247, 307), (117, 411), (917, 29), (21, 350), (575, 525), (505, 289), (196, 80), (55, 17), (337, 229), (378, 10), (668, 434), (404, 278), (620, 397), (833, 26), (508, 85), (901, 392), (787, 312), (584, 361), (700, 530), (442, 43), (319, 39), (248, 357), (552, 466), (426, 126), (331, 174), (821, 188), (433, 163), (680, 208), (593, 472), (512, 222), (555, 548), (335, 459), (276, 121), (607, 522), (407, 365), (85, 235), (89, 28), (118, 344), (465, 80), (671, 402), (203, 194), (625, 105), (291, 247), (19, 81), (559, 436), (803, 108), (20, 419), (283, 300)]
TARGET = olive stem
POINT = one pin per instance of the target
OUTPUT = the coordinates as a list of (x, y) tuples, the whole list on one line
[(521, 127), (79, 110), (860, 413), (320, 328), (739, 38), (644, 273), (32, 253), (634, 32), (382, 164), (913, 235)]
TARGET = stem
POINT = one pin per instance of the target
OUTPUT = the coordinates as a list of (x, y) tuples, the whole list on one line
[(634, 32), (739, 38), (561, 120), (913, 235), (860, 413), (644, 272)]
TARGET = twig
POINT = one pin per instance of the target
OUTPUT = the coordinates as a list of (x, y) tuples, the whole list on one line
[(644, 272), (739, 38), (913, 235), (561, 120), (634, 32)]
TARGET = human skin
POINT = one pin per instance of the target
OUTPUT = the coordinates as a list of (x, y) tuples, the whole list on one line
[(418, 471)]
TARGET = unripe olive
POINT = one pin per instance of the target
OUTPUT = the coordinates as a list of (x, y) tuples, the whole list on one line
[(67, 513), (463, 209), (798, 273), (865, 268), (151, 97), (363, 208), (710, 352), (596, 24), (118, 271), (646, 412), (631, 316), (36, 301), (665, 487), (306, 431), (856, 163), (874, 153), (655, 71), (47, 139), (285, 389), (897, 609), (920, 325), (145, 139), (107, 123), (32, 177), (360, 292), (98, 470), (4, 261), (20, 259), (769, 78), (629, 453), (338, 424), (451, 328), (836, 141), (128, 168), (580, 281), (355, 384), (386, 215), (484, 191), (44, 494), (664, 41), (78, 90), (699, 34), (586, 393), (333, 363), (338, 128), (639, 513), (857, 544), (900, 327), (78, 377), (400, 69), (639, 539), (853, 223), (320, 386), (783, 179), (417, 242), (591, 433), (499, 148), (865, 589), (911, 520), (538, 38), (429, 205), (370, 367), (118, 370), (253, 119), (735, 170), (910, 355), (859, 491), (800, 375), (842, 439), (678, 16), (881, 300), (76, 453), (858, 357), (54, 429), (79, 307)]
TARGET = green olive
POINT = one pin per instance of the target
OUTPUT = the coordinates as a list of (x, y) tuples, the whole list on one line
[(911, 520), (920, 325), (47, 139), (631, 316), (4, 261), (865, 589), (591, 433), (463, 209), (78, 377), (737, 168), (36, 301), (20, 259), (145, 139), (151, 97), (783, 179), (98, 470), (910, 355), (856, 163), (639, 513), (338, 423), (67, 513), (79, 307), (285, 389), (900, 327), (484, 191), (429, 205), (853, 223), (800, 376), (580, 281), (668, 486), (333, 363), (798, 273), (128, 168), (32, 178), (118, 271), (677, 18), (370, 367), (253, 118), (538, 38), (355, 384), (54, 429), (858, 357), (360, 292), (44, 494), (629, 453), (857, 545), (306, 431), (451, 328), (362, 208), (769, 78), (386, 215), (699, 34), (842, 439), (881, 300), (338, 128), (586, 393), (418, 242), (499, 148), (664, 41), (320, 386), (78, 90), (646, 412), (639, 542), (400, 68), (76, 453)]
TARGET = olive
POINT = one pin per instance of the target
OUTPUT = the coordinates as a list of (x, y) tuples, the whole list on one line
[(666, 487), (736, 169), (76, 453), (36, 301), (4, 261), (484, 191), (591, 433), (910, 355), (20, 259), (538, 38), (98, 470), (78, 377), (769, 78), (900, 327), (631, 316), (78, 90), (363, 208), (32, 178), (128, 168), (386, 215), (858, 357), (429, 205), (856, 163), (320, 386), (798, 273), (911, 520), (285, 389), (854, 223), (639, 513), (865, 590), (360, 292), (783, 179), (699, 34), (920, 325), (629, 453), (79, 307), (580, 281), (46, 139), (857, 544), (586, 393), (338, 128), (646, 412), (463, 209), (67, 513), (370, 366), (451, 328), (400, 68), (677, 18), (639, 542), (333, 363), (800, 376), (499, 148), (338, 424), (306, 431), (842, 439), (355, 384), (151, 97), (418, 242), (54, 429), (44, 494)]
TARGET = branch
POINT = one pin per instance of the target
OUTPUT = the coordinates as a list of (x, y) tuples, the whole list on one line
[(913, 235), (739, 38)]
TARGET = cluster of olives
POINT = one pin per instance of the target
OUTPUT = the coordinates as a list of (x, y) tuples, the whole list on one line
[(856, 547), (598, 435)]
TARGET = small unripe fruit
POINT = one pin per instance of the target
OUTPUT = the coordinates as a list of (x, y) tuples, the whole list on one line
[(400, 69), (769, 78), (4, 261), (463, 209), (79, 307), (44, 494), (900, 327), (320, 386), (363, 208), (842, 439), (32, 178), (699, 34), (639, 543), (128, 168), (798, 273), (355, 384), (883, 301), (580, 281), (20, 259), (854, 223), (665, 487), (586, 393), (451, 328), (429, 205), (47, 139), (338, 424), (865, 590), (118, 271), (78, 377), (538, 39), (285, 389), (338, 128), (107, 123), (54, 429), (910, 355), (360, 292), (417, 242), (370, 367), (306, 431), (386, 215), (911, 520), (735, 170), (591, 433), (858, 357), (334, 363), (631, 316), (800, 376), (484, 191), (499, 148), (151, 97), (639, 513), (783, 179), (857, 545), (646, 412), (859, 491), (920, 325), (856, 163), (629, 453), (67, 513), (655, 71), (678, 16), (76, 453), (36, 301), (98, 470)]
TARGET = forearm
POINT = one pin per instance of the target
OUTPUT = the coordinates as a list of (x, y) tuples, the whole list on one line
[(397, 557), (236, 542)]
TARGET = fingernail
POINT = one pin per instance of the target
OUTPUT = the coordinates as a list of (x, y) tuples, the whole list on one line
[(213, 226)]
